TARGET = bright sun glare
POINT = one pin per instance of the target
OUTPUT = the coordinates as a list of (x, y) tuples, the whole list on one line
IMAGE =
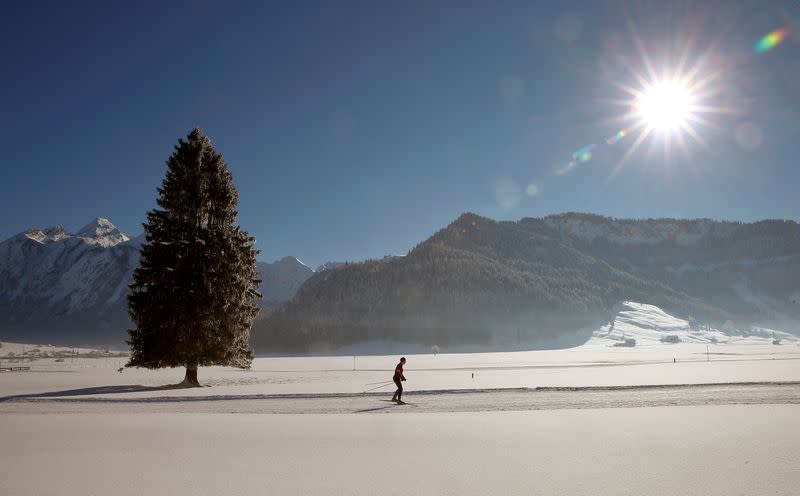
[(665, 106), (671, 100)]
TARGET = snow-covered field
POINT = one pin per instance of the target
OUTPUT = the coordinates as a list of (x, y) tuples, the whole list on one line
[(464, 430), (20, 350), (588, 365), (694, 417), (698, 450), (702, 356)]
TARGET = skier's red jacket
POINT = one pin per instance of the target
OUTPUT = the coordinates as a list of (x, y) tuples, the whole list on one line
[(398, 373)]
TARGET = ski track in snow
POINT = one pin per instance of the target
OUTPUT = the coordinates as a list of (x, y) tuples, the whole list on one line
[(441, 401)]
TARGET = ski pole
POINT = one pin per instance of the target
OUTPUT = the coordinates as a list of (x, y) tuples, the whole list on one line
[(381, 386), (379, 382)]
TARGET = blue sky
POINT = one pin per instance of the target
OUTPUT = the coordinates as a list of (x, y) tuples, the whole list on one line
[(356, 130)]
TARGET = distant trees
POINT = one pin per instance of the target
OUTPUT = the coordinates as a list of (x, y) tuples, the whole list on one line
[(192, 296), (476, 281)]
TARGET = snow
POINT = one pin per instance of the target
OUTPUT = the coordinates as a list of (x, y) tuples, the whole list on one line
[(588, 365), (713, 414), (48, 235), (648, 324), (603, 423), (50, 274), (294, 261), (68, 272), (102, 232), (713, 450), (704, 355), (44, 349)]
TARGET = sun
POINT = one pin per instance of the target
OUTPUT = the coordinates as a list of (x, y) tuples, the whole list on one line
[(667, 93), (670, 107), (673, 103), (665, 106)]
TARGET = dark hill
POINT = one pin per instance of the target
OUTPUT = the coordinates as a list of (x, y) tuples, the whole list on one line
[(476, 282)]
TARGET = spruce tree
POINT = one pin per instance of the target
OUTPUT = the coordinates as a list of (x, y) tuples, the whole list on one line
[(193, 295)]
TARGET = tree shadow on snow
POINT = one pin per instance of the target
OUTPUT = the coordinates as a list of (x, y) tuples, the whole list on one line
[(95, 390)]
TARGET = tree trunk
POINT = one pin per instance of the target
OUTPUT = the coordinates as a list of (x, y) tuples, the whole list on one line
[(191, 375)]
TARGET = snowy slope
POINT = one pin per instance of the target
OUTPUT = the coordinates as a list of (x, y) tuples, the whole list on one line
[(101, 231), (649, 324), (66, 272)]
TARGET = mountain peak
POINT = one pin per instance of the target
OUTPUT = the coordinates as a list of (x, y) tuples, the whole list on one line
[(292, 261), (468, 221), (103, 232), (282, 278), (52, 233), (95, 227), (470, 217)]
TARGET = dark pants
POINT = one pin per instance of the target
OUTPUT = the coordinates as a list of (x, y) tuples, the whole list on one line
[(399, 393)]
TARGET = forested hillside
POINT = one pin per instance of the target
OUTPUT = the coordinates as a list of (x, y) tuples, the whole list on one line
[(477, 281)]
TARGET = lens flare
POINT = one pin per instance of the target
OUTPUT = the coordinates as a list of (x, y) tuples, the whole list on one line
[(584, 154), (617, 137), (771, 40), (676, 102)]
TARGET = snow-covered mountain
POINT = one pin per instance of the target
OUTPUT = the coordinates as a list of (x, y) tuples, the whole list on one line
[(71, 288), (54, 281), (651, 325)]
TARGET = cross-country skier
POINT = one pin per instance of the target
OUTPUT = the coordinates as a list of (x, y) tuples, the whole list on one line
[(398, 376)]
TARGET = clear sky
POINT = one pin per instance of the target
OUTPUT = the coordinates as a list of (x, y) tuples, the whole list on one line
[(356, 130)]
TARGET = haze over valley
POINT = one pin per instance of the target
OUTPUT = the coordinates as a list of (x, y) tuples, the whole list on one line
[(475, 284)]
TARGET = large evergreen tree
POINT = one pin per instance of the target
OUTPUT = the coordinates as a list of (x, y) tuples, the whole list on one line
[(192, 296)]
